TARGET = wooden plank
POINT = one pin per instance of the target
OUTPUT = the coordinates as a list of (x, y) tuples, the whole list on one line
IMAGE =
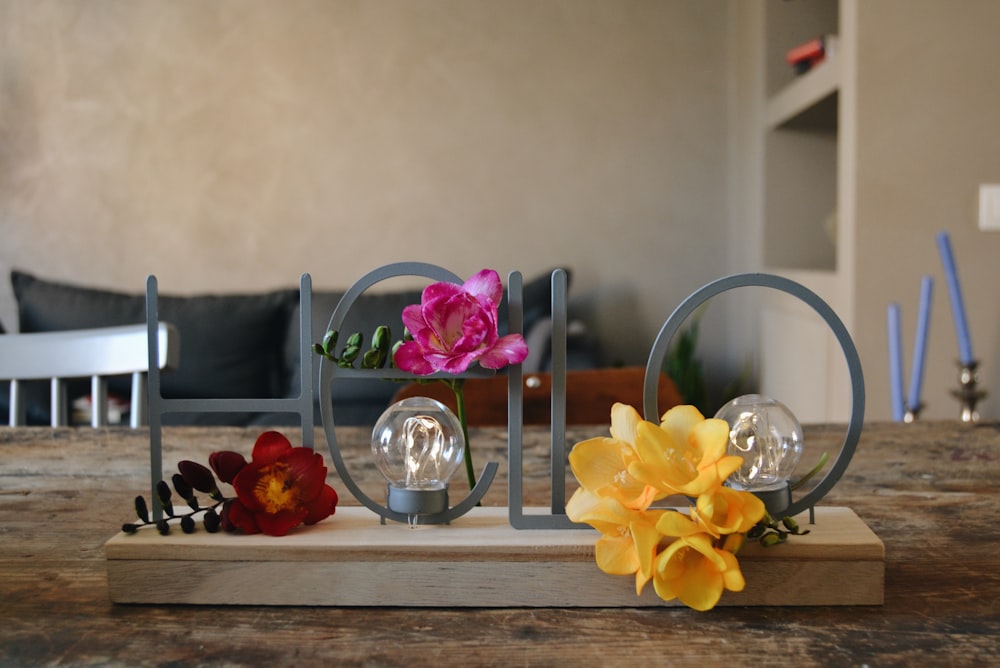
[(479, 561)]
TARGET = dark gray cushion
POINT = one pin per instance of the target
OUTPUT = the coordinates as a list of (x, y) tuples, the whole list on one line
[(231, 345)]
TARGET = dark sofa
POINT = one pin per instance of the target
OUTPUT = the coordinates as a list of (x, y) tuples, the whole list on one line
[(245, 345)]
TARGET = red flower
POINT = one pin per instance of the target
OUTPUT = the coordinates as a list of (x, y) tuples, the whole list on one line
[(279, 489)]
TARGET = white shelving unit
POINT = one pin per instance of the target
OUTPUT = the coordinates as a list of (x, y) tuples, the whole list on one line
[(805, 219)]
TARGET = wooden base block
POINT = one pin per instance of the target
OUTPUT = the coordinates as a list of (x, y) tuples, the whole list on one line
[(351, 559)]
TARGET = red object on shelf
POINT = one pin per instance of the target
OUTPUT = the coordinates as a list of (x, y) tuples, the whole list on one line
[(812, 51)]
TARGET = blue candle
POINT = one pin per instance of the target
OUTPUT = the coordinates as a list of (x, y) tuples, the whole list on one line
[(895, 363), (957, 305), (920, 345)]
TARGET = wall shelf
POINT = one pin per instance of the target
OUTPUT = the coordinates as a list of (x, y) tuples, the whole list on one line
[(808, 102)]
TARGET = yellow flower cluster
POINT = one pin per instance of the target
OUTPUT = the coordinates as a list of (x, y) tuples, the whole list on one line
[(688, 556)]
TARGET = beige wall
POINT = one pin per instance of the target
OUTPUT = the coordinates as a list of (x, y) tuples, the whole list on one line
[(928, 134), (234, 144)]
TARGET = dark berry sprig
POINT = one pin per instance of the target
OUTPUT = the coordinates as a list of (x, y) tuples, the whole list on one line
[(192, 477)]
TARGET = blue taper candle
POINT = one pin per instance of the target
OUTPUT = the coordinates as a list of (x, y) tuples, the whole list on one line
[(895, 363), (957, 305), (920, 344)]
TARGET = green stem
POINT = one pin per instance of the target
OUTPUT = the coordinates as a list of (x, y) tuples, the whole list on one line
[(808, 476), (470, 471)]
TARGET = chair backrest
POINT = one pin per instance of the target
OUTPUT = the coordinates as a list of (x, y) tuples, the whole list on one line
[(84, 353), (590, 393)]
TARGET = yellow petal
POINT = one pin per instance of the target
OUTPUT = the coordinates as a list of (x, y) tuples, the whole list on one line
[(679, 420), (641, 580), (598, 462), (712, 438), (732, 577), (661, 460), (691, 569), (677, 524), (646, 537), (616, 555), (624, 419), (605, 515)]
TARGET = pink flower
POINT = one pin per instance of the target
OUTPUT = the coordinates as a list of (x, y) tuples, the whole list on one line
[(456, 325)]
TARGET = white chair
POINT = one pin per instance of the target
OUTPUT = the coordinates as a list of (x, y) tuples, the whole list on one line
[(83, 353)]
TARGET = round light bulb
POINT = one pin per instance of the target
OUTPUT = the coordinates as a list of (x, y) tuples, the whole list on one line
[(418, 445), (768, 436)]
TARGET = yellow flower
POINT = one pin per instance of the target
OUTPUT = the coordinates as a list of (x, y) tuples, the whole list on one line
[(693, 570), (629, 537), (728, 511), (688, 556), (685, 454), (601, 464)]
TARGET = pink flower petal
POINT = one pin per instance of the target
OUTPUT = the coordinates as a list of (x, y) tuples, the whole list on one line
[(509, 349), (410, 358), (486, 283), (413, 319)]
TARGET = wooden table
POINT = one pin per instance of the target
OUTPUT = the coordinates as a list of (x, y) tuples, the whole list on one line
[(929, 490)]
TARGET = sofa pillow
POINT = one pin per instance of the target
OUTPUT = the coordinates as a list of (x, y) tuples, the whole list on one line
[(357, 401), (231, 345)]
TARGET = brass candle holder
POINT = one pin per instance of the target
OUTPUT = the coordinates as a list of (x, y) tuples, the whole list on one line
[(968, 392)]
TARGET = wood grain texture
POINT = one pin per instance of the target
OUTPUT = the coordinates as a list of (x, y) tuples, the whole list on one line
[(928, 490)]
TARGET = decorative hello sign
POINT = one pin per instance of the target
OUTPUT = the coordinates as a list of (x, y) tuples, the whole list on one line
[(341, 560)]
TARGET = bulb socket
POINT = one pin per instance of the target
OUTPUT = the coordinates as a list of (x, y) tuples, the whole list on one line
[(417, 501), (776, 501)]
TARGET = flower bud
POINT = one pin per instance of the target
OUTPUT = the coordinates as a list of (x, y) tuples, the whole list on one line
[(370, 359), (226, 464), (329, 343), (793, 526), (211, 520), (350, 354), (772, 539), (382, 342), (163, 527), (164, 494), (141, 509), (129, 528), (187, 524), (197, 476), (182, 487)]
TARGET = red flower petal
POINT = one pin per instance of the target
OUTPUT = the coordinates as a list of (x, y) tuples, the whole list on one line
[(240, 517), (269, 447), (323, 505), (279, 524), (307, 471), (245, 483)]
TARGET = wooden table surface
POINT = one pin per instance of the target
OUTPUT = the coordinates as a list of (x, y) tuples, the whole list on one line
[(929, 490)]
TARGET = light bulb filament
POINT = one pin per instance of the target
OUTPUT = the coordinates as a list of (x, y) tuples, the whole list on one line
[(423, 440)]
